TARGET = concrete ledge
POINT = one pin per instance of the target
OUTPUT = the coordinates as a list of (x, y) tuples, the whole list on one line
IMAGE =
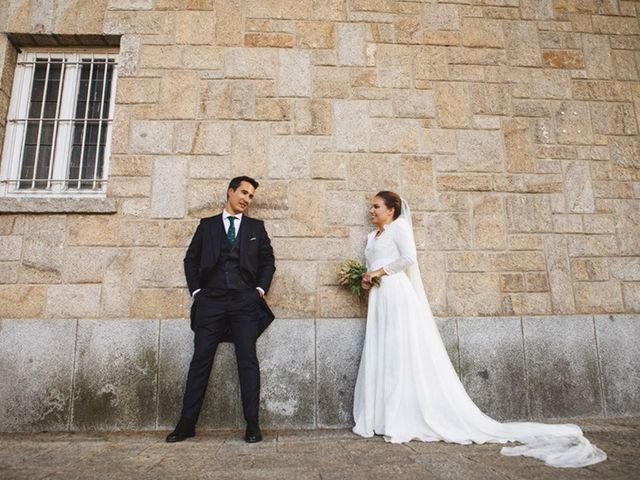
[(61, 375), (57, 205)]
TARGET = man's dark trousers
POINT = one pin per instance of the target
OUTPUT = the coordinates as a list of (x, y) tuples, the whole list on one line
[(219, 312)]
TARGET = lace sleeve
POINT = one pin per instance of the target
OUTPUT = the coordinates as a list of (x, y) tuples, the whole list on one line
[(403, 238)]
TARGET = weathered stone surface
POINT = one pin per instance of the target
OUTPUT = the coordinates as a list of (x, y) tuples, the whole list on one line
[(569, 59), (158, 303), (480, 151), (518, 146), (351, 44), (573, 123), (473, 294), (625, 153), (597, 56), (115, 385), (37, 369), (477, 32), (10, 247), (159, 267), (221, 405), (590, 269), (250, 63), (338, 349), (151, 136), (562, 370), (179, 95), (42, 249), (578, 187), (453, 105), (213, 138), (492, 365), (526, 303), (294, 73), (288, 374), (394, 135), (614, 118), (289, 157), (84, 264), (92, 230), (313, 117), (528, 213), (316, 34), (394, 65), (169, 187), (249, 147), (293, 291), (268, 39), (195, 27), (414, 103), (521, 41), (591, 245), (351, 125), (73, 301), (448, 231), (489, 224), (627, 269), (617, 335), (598, 297), (441, 17)]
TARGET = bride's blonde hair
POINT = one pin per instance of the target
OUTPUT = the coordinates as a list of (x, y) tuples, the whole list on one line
[(391, 200)]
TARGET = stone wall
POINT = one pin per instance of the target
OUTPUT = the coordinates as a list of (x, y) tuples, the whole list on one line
[(510, 126)]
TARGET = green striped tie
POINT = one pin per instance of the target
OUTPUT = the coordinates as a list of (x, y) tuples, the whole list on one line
[(231, 233)]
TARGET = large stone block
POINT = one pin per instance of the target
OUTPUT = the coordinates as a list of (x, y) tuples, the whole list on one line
[(117, 284), (179, 95), (169, 187), (480, 151), (519, 148), (614, 118), (84, 264), (521, 39), (293, 291), (453, 105), (482, 32), (43, 249), (598, 297), (573, 123), (115, 378), (10, 248), (618, 336), (73, 301), (351, 125), (195, 27), (249, 147), (316, 34), (213, 138), (37, 371), (289, 157), (529, 213), (288, 396), (338, 349), (448, 231), (489, 223), (232, 99), (473, 293), (625, 153), (250, 63), (158, 303), (159, 267), (492, 365), (294, 73), (351, 44), (221, 405), (394, 135), (414, 103), (562, 369), (578, 188), (598, 61), (313, 117), (151, 136), (394, 65), (92, 230)]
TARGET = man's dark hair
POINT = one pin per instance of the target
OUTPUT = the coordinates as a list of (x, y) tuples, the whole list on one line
[(235, 182)]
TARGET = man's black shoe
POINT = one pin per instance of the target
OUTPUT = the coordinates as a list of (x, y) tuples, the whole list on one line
[(253, 433), (186, 429)]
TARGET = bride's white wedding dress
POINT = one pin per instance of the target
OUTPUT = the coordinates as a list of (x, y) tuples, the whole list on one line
[(407, 387)]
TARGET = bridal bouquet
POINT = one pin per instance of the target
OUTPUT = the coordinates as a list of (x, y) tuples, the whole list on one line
[(350, 274)]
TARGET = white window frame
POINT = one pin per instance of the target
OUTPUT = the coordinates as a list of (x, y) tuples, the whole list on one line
[(58, 183)]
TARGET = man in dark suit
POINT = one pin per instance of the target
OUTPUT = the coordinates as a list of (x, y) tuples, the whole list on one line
[(229, 266)]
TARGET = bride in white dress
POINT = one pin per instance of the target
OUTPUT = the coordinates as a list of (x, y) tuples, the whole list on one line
[(407, 388)]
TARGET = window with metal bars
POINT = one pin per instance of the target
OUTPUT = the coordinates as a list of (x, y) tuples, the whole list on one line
[(59, 124)]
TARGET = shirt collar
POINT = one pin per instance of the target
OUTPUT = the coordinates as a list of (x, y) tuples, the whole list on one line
[(226, 214)]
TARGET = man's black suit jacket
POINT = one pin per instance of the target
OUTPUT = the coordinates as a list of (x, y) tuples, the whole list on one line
[(257, 263)]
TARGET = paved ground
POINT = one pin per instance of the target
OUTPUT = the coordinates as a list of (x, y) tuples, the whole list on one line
[(299, 455)]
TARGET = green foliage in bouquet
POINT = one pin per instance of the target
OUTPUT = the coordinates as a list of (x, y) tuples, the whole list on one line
[(350, 274)]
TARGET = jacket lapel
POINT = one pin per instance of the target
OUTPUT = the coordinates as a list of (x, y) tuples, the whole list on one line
[(217, 228)]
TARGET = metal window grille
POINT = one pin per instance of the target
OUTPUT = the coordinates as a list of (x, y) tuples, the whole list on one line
[(59, 124)]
